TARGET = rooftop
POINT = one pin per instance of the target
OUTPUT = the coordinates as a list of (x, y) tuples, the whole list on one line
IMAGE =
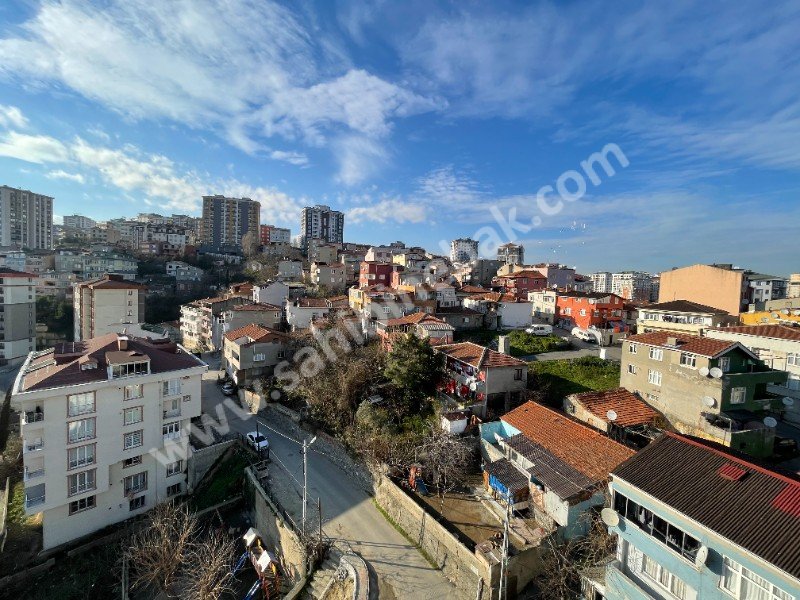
[(693, 344), (582, 448), (479, 356), (759, 509), (685, 306), (523, 273), (6, 272), (630, 408), (415, 319), (780, 332), (256, 307), (111, 282), (253, 333)]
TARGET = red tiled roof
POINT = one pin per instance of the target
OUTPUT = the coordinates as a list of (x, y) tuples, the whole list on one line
[(472, 289), (630, 408), (414, 319), (581, 447), (686, 343), (255, 333), (6, 272), (781, 332), (524, 273), (479, 356), (496, 297)]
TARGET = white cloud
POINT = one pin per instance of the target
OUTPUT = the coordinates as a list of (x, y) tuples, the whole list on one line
[(389, 210), (293, 158), (445, 186), (359, 158), (32, 148), (11, 116), (60, 174)]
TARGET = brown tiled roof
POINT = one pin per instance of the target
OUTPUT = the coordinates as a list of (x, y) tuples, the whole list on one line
[(686, 306), (255, 333), (111, 283), (524, 273), (781, 332), (686, 343), (256, 307), (6, 272), (60, 366), (472, 289), (581, 447), (759, 511), (479, 356), (496, 297), (456, 310), (630, 408), (312, 303)]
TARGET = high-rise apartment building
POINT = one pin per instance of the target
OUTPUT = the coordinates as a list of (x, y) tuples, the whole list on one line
[(17, 313), (104, 425), (320, 222), (633, 285), (601, 282), (106, 305), (26, 219), (463, 250), (274, 235), (511, 254), (78, 222), (226, 220)]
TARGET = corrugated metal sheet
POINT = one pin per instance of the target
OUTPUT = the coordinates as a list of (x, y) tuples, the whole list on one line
[(759, 512)]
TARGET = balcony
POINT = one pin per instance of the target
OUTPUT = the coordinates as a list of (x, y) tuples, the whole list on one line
[(26, 418), (173, 435), (172, 412), (34, 446), (31, 473), (34, 496)]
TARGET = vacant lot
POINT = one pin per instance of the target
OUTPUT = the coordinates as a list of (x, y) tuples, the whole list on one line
[(556, 379)]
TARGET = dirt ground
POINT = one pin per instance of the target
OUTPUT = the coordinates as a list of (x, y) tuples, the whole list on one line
[(467, 514)]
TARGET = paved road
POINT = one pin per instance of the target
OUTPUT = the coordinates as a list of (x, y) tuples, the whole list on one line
[(581, 349), (348, 512)]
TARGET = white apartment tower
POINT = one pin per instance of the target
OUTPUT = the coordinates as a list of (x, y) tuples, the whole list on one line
[(107, 305), (26, 219), (322, 223), (17, 314), (123, 446), (463, 250), (601, 282)]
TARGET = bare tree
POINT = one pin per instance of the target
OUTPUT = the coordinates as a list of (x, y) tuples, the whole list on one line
[(207, 572), (446, 459), (250, 243)]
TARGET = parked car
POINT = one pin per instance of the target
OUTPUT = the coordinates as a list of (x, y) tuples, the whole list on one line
[(229, 388), (584, 335), (257, 442), (540, 330)]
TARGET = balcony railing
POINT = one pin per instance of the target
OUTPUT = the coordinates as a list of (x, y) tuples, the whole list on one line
[(172, 412), (33, 473), (173, 435), (32, 417), (33, 500), (32, 446)]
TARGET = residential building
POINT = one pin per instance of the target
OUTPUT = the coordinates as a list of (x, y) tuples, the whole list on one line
[(778, 347), (793, 288), (270, 234), (376, 273), (479, 272), (582, 283), (78, 222), (683, 534), (421, 324), (331, 275), (106, 305), (92, 265), (461, 317), (633, 285), (320, 222), (386, 253), (225, 221), (203, 321), (252, 352), (463, 250), (482, 380), (595, 310), (511, 254), (720, 286), (619, 413), (274, 292), (544, 461), (122, 448), (680, 316), (266, 315), (290, 269), (301, 311), (501, 311), (601, 282), (543, 305), (520, 283), (321, 251), (26, 219), (766, 287), (715, 389), (17, 314), (182, 271), (558, 276)]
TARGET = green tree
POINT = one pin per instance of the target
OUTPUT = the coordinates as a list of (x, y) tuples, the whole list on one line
[(413, 369), (57, 314)]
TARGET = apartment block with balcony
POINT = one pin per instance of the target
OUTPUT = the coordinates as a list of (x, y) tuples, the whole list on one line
[(107, 305), (710, 526), (681, 316), (17, 314), (123, 446), (203, 321), (714, 389), (252, 352)]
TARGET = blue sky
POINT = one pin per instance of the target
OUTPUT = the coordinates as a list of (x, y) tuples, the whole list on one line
[(422, 121)]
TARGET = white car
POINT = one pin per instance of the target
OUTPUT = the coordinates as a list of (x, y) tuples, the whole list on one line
[(257, 441), (540, 330)]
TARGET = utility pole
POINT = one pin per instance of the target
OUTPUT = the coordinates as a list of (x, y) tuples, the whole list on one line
[(306, 445), (319, 514), (504, 559)]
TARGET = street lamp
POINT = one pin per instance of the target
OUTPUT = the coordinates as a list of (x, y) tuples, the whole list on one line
[(306, 446)]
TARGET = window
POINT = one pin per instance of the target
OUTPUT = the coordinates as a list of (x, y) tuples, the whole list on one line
[(632, 348), (136, 503), (130, 369), (662, 577), (81, 505), (258, 357), (80, 404), (632, 369), (742, 583), (793, 359), (132, 461), (654, 377), (132, 415), (80, 456), (688, 360), (657, 353), (136, 483), (77, 431), (171, 430), (174, 489), (134, 391), (80, 482), (174, 468), (738, 395), (725, 364), (281, 354), (583, 312), (171, 387), (518, 375), (132, 440)]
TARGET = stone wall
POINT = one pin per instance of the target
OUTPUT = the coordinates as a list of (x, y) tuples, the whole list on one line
[(277, 532), (201, 460)]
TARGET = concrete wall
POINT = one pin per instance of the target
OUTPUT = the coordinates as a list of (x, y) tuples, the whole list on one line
[(703, 284), (201, 460), (278, 533)]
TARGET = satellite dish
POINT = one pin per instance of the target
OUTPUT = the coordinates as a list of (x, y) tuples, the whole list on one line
[(788, 401), (704, 371), (612, 415), (702, 556), (716, 372), (609, 517), (709, 401), (770, 421)]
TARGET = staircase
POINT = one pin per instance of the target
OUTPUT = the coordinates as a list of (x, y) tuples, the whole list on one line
[(322, 577)]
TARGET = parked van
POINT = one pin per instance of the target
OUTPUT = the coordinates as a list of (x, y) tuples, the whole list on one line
[(540, 329)]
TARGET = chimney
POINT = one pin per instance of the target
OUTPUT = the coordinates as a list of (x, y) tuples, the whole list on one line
[(672, 341), (122, 342), (503, 344)]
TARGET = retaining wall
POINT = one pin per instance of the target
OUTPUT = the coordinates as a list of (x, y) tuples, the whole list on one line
[(202, 459)]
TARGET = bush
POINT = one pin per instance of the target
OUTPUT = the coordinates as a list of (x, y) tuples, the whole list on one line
[(523, 343), (556, 379)]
